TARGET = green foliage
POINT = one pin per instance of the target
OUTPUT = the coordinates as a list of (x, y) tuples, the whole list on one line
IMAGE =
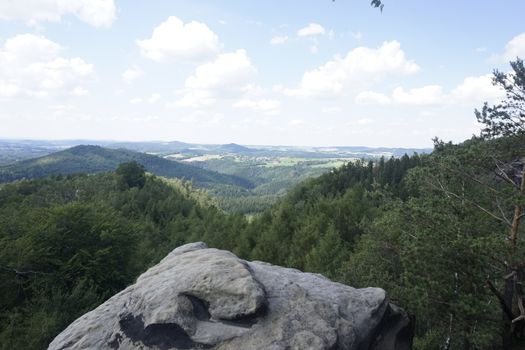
[(508, 117), (69, 243), (270, 183), (326, 257), (133, 174), (377, 3), (300, 229), (436, 251)]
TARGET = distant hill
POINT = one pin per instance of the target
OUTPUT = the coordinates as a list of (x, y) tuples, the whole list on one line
[(155, 147), (94, 159), (235, 148), (395, 151)]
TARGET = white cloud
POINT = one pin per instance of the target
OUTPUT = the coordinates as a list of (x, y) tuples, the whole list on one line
[(26, 48), (262, 105), (472, 91), (132, 74), (98, 13), (174, 41), (135, 100), (515, 48), (61, 108), (333, 109), (364, 121), (360, 65), (195, 99), (228, 70), (278, 40), (154, 98), (189, 120), (217, 118), (253, 90), (145, 119), (296, 122), (8, 90), (230, 73), (80, 91), (372, 98), (31, 65), (426, 95), (311, 29), (476, 90)]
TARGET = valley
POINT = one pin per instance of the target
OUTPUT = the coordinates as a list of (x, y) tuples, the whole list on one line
[(242, 179)]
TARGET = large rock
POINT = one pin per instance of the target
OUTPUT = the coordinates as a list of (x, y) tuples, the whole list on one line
[(201, 298)]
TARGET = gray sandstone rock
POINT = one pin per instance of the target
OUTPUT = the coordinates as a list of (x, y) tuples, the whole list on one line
[(201, 298)]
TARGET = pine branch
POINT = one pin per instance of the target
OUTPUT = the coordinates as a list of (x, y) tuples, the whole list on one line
[(27, 272), (455, 195)]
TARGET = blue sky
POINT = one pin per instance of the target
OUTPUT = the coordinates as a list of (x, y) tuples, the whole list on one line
[(309, 72)]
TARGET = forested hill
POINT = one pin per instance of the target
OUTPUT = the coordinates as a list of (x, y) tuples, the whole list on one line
[(235, 148), (94, 159)]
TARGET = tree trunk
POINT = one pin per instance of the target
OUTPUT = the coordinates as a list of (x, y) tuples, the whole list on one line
[(517, 215), (508, 296), (513, 275)]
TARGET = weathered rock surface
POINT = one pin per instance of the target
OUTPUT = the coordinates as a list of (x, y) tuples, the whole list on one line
[(201, 298)]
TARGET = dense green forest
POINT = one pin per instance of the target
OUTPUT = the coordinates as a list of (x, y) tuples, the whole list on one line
[(440, 233), (68, 243)]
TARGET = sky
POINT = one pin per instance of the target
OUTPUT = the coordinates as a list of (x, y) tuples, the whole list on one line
[(287, 72)]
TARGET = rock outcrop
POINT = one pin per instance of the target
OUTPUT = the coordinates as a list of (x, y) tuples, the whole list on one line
[(201, 298)]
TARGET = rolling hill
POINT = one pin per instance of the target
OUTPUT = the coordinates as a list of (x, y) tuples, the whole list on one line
[(94, 159), (235, 148)]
